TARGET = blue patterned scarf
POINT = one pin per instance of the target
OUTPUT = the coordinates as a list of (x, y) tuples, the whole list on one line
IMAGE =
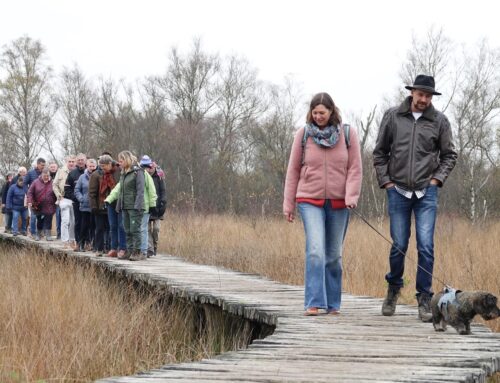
[(327, 137)]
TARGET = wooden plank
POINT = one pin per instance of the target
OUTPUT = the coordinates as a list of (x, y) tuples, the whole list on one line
[(360, 345)]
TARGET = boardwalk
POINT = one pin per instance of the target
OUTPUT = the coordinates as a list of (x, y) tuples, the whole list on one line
[(360, 345)]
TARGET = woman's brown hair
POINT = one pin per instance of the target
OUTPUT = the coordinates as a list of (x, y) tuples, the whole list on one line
[(326, 100)]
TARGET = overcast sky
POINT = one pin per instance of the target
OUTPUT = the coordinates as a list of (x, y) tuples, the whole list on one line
[(352, 49)]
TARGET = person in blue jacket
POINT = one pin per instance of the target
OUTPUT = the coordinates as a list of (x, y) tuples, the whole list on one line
[(16, 203)]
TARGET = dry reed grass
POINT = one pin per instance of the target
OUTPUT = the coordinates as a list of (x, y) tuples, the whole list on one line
[(467, 256), (66, 322)]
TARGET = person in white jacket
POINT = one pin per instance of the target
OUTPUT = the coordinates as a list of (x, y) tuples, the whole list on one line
[(65, 204)]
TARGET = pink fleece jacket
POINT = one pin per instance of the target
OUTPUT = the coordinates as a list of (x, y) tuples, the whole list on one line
[(331, 173)]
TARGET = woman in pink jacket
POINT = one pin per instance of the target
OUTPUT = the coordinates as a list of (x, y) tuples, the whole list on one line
[(324, 179)]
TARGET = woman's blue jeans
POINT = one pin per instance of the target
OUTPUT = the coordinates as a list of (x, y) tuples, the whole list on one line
[(325, 229), (425, 211), (118, 238)]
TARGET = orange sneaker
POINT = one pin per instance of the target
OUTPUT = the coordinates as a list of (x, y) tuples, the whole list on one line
[(112, 253), (311, 311)]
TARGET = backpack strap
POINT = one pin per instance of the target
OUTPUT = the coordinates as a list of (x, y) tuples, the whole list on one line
[(347, 135), (304, 140)]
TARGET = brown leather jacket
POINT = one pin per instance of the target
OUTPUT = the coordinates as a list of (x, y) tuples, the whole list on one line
[(410, 153)]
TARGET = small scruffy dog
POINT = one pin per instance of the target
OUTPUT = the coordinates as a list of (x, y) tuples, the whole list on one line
[(458, 308)]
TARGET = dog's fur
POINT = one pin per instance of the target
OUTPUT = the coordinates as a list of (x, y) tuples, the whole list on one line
[(467, 305)]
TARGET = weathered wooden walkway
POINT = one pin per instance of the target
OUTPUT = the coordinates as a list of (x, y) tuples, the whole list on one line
[(360, 345)]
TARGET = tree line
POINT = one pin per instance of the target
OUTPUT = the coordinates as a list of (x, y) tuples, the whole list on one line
[(223, 136)]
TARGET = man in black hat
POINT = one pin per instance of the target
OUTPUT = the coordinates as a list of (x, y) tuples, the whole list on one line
[(413, 156)]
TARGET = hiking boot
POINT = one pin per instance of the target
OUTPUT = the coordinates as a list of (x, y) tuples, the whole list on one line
[(138, 256), (36, 237), (122, 254), (424, 307), (47, 235), (389, 305)]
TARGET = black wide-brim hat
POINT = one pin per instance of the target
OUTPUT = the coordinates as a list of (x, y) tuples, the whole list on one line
[(425, 83)]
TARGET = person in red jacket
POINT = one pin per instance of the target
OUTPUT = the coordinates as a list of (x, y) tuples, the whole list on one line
[(324, 179), (42, 202)]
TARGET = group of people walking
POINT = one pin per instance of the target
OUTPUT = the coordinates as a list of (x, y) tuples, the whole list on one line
[(113, 208), (413, 156), (118, 206)]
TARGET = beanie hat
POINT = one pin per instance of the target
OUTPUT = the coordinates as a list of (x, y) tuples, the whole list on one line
[(146, 161)]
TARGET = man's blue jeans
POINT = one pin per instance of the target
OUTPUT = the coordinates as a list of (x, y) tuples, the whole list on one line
[(33, 223), (58, 221), (425, 211), (325, 230)]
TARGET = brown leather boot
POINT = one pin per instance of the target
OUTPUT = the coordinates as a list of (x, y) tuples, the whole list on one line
[(391, 299)]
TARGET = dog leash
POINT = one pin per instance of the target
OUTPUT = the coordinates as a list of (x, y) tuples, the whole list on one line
[(397, 248)]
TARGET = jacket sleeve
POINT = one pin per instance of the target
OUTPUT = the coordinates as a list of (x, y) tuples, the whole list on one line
[(354, 170), (78, 190), (382, 151), (140, 185), (30, 194), (8, 200), (162, 198), (151, 190), (113, 195), (5, 190), (94, 190), (58, 183), (293, 173), (69, 187), (447, 153), (28, 178)]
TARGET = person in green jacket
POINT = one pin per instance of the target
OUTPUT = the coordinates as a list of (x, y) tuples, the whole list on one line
[(131, 202)]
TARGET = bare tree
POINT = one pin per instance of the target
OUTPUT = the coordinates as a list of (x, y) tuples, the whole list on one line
[(9, 159), (26, 101), (76, 100), (273, 140), (432, 55), (189, 87), (475, 111), (238, 106), (152, 121), (115, 117)]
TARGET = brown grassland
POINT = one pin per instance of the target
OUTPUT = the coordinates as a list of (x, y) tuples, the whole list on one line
[(62, 321)]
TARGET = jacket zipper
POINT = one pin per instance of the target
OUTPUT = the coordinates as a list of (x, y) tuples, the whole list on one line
[(412, 155), (324, 167)]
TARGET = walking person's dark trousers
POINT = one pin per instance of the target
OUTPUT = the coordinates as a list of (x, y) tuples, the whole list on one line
[(78, 220)]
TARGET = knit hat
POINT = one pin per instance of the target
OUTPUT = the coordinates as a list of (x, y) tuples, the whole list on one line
[(146, 161)]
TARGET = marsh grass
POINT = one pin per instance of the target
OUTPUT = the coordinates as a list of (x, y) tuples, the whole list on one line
[(61, 321), (466, 256)]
